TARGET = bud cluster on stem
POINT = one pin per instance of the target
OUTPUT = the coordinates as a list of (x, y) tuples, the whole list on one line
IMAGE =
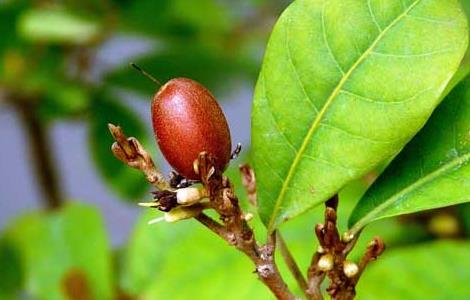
[(330, 259)]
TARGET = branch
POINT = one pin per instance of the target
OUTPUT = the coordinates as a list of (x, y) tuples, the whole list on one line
[(41, 152), (236, 230), (330, 259), (375, 248), (291, 264)]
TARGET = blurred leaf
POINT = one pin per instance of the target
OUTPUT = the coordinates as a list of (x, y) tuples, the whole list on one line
[(433, 271), (464, 213), (56, 25), (432, 171), (147, 16), (64, 99), (186, 261), (203, 15), (177, 18), (60, 249), (11, 275), (325, 114), (213, 69), (127, 182), (9, 40)]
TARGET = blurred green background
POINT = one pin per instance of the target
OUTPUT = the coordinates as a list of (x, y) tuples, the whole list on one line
[(69, 225)]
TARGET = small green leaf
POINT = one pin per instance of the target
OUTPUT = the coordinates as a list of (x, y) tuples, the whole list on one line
[(127, 182), (432, 171), (434, 271), (54, 25), (344, 86), (63, 248)]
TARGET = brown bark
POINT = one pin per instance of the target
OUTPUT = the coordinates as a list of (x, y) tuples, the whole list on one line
[(41, 152)]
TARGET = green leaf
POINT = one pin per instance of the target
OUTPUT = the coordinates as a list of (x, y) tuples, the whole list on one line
[(63, 99), (464, 68), (127, 182), (344, 85), (434, 271), (11, 276), (177, 261), (63, 249), (432, 171), (463, 212), (54, 25), (179, 18)]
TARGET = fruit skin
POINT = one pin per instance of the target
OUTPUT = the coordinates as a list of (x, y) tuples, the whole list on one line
[(187, 120)]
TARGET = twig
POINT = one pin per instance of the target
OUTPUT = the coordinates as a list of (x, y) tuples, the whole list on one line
[(40, 151), (315, 278), (249, 183), (374, 250), (292, 264), (131, 152), (330, 260), (211, 224), (237, 232)]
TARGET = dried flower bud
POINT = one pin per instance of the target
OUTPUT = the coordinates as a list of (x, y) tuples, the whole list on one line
[(179, 213), (190, 195)]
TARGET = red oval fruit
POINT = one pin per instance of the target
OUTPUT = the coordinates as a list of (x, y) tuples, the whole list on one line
[(187, 120)]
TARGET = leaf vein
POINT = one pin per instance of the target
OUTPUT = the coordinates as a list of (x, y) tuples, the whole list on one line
[(297, 75), (371, 12), (325, 40), (414, 55), (276, 122), (371, 100), (358, 136)]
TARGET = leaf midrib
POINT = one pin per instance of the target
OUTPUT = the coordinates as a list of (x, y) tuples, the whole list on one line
[(322, 112), (460, 160)]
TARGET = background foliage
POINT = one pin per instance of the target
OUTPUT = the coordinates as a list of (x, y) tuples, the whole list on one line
[(51, 72)]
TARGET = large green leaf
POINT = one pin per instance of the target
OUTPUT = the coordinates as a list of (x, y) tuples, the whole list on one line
[(344, 86), (464, 68), (435, 271), (62, 249), (432, 171), (129, 183)]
